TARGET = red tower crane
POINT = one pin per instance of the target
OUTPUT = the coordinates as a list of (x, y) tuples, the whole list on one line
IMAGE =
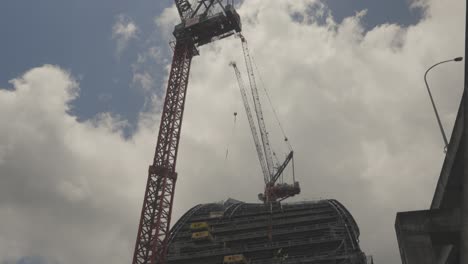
[(202, 22)]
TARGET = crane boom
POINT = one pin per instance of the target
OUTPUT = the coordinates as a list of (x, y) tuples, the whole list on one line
[(281, 168), (194, 31), (253, 128), (151, 246), (274, 192), (258, 108)]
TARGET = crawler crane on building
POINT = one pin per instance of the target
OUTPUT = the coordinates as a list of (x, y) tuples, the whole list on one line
[(274, 191)]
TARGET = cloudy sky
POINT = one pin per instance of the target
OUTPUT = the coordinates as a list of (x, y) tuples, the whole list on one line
[(81, 87)]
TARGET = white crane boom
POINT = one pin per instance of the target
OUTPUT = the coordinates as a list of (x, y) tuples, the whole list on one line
[(258, 109), (253, 128)]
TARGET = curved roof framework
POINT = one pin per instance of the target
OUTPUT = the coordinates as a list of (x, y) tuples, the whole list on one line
[(306, 232)]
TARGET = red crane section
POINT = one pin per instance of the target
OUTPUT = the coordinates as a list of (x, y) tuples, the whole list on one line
[(159, 195), (211, 20)]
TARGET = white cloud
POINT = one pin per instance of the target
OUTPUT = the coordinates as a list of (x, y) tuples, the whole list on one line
[(155, 53), (123, 31), (143, 80), (152, 54), (61, 178), (166, 22), (144, 69), (353, 103)]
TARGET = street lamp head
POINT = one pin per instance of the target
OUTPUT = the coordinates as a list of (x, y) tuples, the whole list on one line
[(458, 59)]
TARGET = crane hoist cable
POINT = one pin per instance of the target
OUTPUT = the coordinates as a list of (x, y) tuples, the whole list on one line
[(253, 128), (286, 140), (232, 136)]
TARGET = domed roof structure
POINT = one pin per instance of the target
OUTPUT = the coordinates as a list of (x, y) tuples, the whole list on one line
[(237, 232)]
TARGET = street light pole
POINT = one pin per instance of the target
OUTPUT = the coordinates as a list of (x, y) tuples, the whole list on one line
[(432, 100)]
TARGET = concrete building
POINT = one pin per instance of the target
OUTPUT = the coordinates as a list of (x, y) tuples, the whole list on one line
[(433, 236), (316, 232)]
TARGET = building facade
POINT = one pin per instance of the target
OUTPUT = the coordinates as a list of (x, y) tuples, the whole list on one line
[(316, 232)]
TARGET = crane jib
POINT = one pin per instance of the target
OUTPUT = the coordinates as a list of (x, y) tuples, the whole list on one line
[(258, 108), (253, 128)]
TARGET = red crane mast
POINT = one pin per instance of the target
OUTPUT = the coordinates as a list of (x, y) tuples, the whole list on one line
[(201, 24)]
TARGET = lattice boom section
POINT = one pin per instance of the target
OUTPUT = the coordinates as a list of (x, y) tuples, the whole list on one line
[(184, 8), (157, 205)]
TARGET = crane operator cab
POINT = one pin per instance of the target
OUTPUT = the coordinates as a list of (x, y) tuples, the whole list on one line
[(279, 192), (208, 26)]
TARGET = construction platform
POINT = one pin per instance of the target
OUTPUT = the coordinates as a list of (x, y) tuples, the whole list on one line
[(316, 232)]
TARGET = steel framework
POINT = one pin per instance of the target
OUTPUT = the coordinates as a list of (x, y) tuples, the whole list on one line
[(159, 194), (314, 232), (273, 192), (197, 28), (261, 158), (258, 108)]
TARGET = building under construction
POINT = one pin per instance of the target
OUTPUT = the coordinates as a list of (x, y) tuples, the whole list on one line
[(233, 232), (236, 232)]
